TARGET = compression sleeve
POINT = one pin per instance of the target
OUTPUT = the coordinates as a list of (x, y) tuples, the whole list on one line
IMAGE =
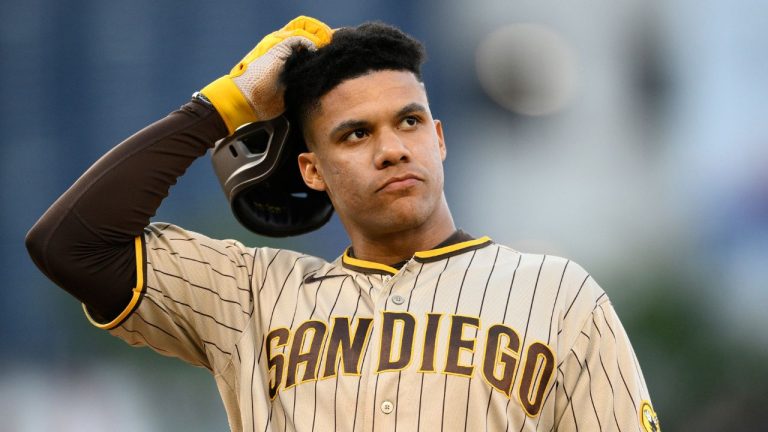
[(85, 242)]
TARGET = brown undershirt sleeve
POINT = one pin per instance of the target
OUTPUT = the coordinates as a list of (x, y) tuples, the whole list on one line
[(85, 241)]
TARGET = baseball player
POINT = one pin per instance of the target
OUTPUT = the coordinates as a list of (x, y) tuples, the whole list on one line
[(416, 326)]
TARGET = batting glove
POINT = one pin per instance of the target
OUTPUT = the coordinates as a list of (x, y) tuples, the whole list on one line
[(252, 90)]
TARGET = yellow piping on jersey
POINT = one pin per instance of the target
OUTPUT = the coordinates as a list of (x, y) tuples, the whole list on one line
[(366, 264), (137, 291), (421, 255), (452, 248)]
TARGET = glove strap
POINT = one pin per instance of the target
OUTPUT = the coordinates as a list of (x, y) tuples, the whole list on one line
[(204, 100), (230, 103)]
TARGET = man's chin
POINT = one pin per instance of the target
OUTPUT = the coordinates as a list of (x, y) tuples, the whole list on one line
[(401, 215)]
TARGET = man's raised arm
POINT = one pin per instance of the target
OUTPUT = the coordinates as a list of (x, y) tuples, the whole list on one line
[(86, 241)]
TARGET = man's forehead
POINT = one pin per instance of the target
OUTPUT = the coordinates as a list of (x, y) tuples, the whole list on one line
[(387, 89)]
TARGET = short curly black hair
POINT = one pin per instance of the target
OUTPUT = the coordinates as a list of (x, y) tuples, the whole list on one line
[(353, 52)]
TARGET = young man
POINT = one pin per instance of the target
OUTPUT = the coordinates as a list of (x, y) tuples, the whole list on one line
[(417, 326)]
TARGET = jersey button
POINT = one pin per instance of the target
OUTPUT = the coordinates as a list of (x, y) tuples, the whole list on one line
[(387, 407), (398, 299)]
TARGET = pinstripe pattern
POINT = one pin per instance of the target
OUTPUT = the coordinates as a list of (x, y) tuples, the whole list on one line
[(517, 342)]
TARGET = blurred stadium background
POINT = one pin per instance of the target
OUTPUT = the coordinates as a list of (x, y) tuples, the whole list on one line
[(630, 136)]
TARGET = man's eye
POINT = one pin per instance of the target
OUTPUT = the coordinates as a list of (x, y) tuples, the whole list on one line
[(410, 122), (356, 135)]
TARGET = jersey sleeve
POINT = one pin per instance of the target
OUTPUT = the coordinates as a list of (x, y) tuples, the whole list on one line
[(600, 384), (193, 296)]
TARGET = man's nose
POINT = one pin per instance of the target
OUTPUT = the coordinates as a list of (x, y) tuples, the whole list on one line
[(391, 149)]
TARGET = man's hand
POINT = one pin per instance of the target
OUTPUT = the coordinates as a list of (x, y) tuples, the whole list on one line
[(252, 90)]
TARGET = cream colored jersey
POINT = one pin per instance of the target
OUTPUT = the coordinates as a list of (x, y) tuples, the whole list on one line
[(469, 337)]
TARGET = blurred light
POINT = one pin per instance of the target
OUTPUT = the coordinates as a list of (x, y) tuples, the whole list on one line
[(527, 68)]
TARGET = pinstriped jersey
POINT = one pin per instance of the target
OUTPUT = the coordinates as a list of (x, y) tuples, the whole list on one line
[(472, 336)]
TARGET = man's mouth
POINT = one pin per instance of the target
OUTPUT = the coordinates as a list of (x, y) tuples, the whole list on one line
[(400, 182)]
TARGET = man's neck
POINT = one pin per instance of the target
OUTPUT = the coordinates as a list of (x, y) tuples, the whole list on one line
[(400, 246)]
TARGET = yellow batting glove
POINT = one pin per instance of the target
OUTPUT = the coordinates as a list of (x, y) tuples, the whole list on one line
[(252, 90)]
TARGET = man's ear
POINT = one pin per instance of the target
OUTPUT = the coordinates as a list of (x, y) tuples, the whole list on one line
[(440, 138), (310, 171)]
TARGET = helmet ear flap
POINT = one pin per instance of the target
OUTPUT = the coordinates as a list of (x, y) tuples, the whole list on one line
[(256, 167)]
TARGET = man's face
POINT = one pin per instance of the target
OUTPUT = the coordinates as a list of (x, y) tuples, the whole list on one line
[(378, 153)]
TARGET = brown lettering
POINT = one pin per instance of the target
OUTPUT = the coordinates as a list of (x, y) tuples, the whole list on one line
[(430, 345), (408, 324), (351, 350), (505, 356), (531, 392), (276, 362), (315, 330), (456, 344)]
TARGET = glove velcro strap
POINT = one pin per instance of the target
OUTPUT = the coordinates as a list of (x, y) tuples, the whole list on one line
[(229, 102)]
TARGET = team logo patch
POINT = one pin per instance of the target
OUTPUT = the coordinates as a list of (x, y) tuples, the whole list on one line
[(648, 418)]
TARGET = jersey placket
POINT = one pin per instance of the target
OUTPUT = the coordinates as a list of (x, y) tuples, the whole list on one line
[(381, 388)]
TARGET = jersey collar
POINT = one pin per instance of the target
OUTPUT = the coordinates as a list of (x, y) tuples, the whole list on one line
[(458, 243)]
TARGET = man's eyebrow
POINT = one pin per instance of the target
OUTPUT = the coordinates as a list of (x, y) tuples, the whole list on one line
[(348, 125), (362, 124), (411, 108)]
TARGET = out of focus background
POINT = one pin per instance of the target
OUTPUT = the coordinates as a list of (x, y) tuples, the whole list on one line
[(630, 136)]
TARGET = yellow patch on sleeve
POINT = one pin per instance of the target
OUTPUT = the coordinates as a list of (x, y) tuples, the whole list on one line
[(648, 418)]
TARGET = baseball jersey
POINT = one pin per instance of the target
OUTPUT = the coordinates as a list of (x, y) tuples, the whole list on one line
[(467, 337)]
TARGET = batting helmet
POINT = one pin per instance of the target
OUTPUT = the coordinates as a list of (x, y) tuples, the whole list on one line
[(257, 169)]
